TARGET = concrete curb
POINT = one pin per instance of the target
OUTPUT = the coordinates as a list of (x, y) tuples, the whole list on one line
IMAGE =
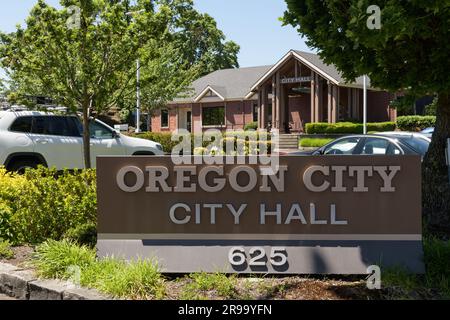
[(25, 285)]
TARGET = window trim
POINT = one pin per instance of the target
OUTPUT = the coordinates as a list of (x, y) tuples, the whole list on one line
[(104, 127), (255, 106), (168, 119), (209, 126)]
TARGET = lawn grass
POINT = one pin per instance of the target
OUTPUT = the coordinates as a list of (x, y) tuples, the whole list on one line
[(314, 142)]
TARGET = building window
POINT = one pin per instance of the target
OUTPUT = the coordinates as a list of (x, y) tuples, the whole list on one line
[(255, 112), (213, 116), (164, 118)]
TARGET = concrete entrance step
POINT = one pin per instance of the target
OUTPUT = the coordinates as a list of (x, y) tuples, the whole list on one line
[(288, 141)]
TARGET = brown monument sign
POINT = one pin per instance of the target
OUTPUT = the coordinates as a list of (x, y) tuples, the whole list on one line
[(337, 214)]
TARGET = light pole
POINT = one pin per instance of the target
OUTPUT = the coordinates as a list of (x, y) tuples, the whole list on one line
[(138, 96), (138, 82), (365, 105)]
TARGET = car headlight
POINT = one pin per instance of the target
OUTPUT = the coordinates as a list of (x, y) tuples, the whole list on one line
[(159, 147)]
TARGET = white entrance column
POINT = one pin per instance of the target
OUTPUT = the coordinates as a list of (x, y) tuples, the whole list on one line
[(313, 97), (278, 116), (274, 99)]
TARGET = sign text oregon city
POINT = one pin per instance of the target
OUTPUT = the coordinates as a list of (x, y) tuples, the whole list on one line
[(244, 179)]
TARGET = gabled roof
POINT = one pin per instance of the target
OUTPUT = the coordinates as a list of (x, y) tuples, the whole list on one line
[(314, 62), (220, 92), (229, 84), (242, 83)]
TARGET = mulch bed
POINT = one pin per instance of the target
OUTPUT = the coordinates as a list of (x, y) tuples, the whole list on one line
[(22, 254)]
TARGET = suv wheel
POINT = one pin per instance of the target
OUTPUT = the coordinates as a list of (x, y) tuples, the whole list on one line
[(20, 166)]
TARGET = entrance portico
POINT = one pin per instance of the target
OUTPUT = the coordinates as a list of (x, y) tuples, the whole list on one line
[(297, 91)]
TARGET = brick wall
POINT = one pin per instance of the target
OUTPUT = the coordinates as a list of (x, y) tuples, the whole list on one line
[(378, 106), (173, 120), (238, 114), (196, 118)]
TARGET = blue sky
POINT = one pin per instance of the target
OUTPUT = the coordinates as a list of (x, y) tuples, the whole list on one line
[(253, 24)]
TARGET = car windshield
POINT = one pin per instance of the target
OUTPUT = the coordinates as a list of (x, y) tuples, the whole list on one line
[(419, 145)]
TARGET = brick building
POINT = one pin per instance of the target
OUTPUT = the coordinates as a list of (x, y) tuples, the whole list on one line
[(298, 89)]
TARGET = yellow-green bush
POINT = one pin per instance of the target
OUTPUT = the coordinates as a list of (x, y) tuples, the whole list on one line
[(44, 204), (165, 139)]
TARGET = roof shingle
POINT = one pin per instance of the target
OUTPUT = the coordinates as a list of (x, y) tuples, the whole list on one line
[(236, 84)]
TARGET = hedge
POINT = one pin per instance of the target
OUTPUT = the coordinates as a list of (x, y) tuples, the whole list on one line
[(314, 142), (165, 139), (415, 123), (348, 127)]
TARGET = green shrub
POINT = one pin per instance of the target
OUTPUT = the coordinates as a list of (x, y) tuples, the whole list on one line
[(314, 142), (380, 127), (437, 259), (6, 226), (11, 186), (347, 127), (437, 276), (44, 204), (5, 250), (251, 126), (431, 109), (229, 141), (200, 151), (165, 139), (84, 234), (415, 123), (404, 105)]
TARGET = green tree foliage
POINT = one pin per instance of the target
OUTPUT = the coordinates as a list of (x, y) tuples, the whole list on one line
[(201, 43), (193, 46), (405, 105), (410, 52), (83, 59), (84, 55)]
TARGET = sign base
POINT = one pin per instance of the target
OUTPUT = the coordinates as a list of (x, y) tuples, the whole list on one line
[(302, 257)]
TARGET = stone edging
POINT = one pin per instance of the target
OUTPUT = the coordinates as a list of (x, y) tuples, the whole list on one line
[(25, 285)]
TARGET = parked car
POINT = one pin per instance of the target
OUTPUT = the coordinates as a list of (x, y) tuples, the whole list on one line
[(428, 132), (31, 138), (388, 143)]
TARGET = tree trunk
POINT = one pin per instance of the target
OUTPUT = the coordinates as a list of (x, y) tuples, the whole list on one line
[(436, 186), (86, 137)]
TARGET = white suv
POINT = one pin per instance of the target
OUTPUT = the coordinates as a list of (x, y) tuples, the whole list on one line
[(30, 138)]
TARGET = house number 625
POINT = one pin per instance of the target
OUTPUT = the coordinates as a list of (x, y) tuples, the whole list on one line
[(237, 256)]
